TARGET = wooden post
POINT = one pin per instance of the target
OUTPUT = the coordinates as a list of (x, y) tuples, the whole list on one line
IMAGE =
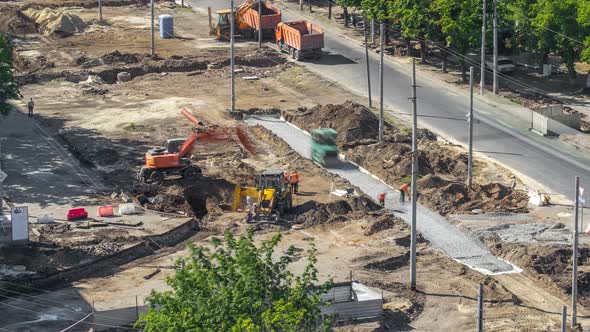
[(329, 9)]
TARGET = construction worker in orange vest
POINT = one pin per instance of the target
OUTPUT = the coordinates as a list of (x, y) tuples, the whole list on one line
[(286, 179), (294, 178), (403, 190), (381, 197)]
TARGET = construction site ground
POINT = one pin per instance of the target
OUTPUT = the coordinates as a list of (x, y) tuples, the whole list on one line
[(105, 127)]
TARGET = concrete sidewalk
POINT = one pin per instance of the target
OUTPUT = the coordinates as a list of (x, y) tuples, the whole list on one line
[(432, 226), (42, 174)]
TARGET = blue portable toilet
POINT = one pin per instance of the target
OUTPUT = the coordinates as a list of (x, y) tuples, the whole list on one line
[(166, 26)]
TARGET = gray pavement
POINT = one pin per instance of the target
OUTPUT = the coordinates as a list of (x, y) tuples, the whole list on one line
[(433, 227), (442, 108), (41, 173)]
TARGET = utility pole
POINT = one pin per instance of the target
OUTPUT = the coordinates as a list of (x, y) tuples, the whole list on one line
[(564, 319), (310, 6), (470, 121), (231, 55), (495, 86), (479, 327), (575, 256), (381, 47), (414, 176), (100, 10), (329, 9), (368, 68), (153, 49), (259, 24), (372, 31), (482, 80), (300, 5)]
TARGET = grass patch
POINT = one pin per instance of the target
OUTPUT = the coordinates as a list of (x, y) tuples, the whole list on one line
[(185, 9)]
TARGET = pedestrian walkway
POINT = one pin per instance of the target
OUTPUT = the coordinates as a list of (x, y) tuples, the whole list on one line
[(432, 226), (41, 173)]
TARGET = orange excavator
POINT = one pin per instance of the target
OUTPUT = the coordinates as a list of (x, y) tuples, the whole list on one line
[(174, 158)]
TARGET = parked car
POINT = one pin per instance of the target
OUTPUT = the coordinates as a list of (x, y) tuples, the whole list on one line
[(505, 65)]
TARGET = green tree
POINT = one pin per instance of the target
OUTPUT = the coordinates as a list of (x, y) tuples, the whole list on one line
[(345, 4), (556, 25), (8, 87), (584, 21), (460, 21), (237, 286)]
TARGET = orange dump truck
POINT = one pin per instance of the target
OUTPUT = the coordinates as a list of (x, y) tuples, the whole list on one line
[(247, 18), (300, 39)]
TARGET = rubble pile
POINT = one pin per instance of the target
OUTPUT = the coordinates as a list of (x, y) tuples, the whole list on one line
[(443, 169)]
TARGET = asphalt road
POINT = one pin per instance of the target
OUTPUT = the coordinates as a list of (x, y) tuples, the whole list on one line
[(441, 109), (432, 226)]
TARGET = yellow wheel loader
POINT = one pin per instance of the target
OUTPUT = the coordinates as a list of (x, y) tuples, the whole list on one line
[(246, 20), (272, 195)]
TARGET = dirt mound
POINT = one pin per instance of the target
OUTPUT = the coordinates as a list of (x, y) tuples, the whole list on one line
[(197, 199), (551, 264), (118, 57), (385, 222), (392, 162), (312, 213), (14, 22), (455, 197), (352, 121), (56, 22)]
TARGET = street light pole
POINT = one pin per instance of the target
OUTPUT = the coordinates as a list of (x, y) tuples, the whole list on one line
[(259, 24), (470, 120), (382, 42), (231, 55), (483, 51), (368, 68), (153, 48), (495, 86), (575, 256), (414, 178)]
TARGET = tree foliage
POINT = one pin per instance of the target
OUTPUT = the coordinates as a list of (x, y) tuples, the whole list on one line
[(538, 26), (237, 286), (8, 87)]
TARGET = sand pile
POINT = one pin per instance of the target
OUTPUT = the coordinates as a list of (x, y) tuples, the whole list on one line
[(56, 22), (14, 22)]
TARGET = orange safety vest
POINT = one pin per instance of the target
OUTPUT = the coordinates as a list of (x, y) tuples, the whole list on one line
[(286, 177), (381, 196), (294, 177), (404, 187)]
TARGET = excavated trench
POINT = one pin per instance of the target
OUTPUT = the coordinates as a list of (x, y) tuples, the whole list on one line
[(108, 66)]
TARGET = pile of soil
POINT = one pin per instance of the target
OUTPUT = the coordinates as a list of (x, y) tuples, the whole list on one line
[(391, 160), (312, 213), (551, 264), (13, 22), (455, 197), (197, 197), (56, 22), (352, 121)]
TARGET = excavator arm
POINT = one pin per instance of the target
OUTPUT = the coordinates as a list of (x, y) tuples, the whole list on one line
[(204, 133)]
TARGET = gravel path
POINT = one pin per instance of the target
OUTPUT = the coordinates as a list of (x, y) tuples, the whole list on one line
[(432, 226)]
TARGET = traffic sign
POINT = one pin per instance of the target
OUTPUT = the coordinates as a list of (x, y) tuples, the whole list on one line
[(3, 176), (582, 200)]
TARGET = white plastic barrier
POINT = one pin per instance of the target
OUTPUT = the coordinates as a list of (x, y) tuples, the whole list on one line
[(45, 218), (127, 208)]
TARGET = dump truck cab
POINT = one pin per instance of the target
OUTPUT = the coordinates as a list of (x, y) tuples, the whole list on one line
[(323, 146)]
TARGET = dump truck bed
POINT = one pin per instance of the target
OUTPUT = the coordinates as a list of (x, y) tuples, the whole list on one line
[(301, 35), (271, 16)]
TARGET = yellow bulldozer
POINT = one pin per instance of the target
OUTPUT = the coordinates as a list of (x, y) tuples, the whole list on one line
[(272, 195)]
